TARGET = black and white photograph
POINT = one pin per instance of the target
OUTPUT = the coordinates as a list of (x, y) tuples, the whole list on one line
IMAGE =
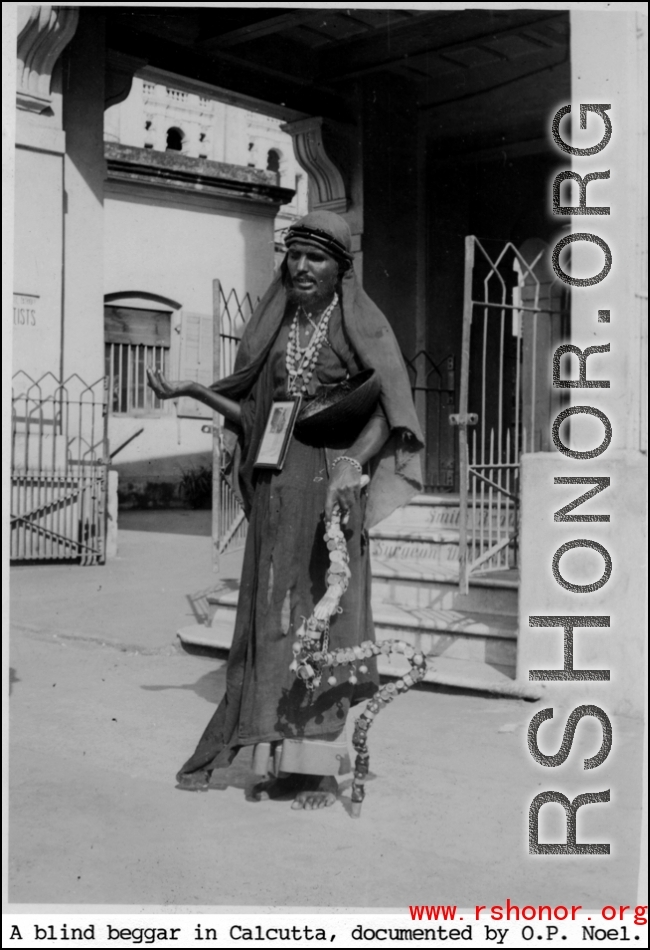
[(325, 460), (274, 444)]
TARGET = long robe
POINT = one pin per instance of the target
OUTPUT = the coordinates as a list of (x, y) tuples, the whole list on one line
[(283, 577)]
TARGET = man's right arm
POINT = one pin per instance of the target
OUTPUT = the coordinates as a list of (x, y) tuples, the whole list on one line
[(163, 389)]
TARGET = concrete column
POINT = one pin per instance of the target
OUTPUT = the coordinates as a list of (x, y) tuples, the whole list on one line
[(112, 514), (43, 33), (607, 62), (619, 647), (391, 189), (83, 122)]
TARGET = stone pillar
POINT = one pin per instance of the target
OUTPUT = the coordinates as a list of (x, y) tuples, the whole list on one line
[(83, 122), (112, 513), (43, 33), (330, 153), (392, 198), (608, 65), (328, 187)]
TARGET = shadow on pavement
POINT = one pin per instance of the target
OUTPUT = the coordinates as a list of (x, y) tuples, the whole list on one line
[(210, 687), (167, 521)]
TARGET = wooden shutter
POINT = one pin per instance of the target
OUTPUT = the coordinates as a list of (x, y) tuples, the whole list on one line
[(136, 326), (196, 360)]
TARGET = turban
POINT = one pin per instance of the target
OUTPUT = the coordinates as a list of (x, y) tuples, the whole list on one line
[(324, 230)]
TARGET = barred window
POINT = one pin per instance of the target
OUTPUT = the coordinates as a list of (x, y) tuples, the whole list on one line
[(135, 340)]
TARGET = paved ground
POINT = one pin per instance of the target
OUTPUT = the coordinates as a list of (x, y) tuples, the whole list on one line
[(105, 707)]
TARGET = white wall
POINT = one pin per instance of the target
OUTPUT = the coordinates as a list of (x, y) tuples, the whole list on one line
[(38, 245), (175, 245)]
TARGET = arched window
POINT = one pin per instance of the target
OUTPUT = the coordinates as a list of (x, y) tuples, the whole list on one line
[(175, 139), (137, 337), (273, 161)]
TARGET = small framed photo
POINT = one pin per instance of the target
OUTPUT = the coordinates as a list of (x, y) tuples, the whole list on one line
[(277, 434)]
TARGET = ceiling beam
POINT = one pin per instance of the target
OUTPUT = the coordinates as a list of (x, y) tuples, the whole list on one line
[(266, 27), (365, 64), (436, 93), (239, 75)]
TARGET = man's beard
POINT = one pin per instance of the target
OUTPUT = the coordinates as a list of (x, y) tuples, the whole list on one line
[(312, 301)]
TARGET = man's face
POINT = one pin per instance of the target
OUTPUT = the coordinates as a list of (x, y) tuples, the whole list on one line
[(313, 274)]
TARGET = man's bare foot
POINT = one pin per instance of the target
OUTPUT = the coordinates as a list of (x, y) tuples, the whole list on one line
[(198, 781), (319, 791), (285, 787)]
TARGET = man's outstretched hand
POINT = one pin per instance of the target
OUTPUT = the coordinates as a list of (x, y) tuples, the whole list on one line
[(166, 390)]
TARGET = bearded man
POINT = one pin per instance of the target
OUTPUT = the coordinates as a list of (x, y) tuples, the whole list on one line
[(314, 328)]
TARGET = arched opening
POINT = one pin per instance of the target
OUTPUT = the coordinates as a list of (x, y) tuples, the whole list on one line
[(175, 138), (273, 161)]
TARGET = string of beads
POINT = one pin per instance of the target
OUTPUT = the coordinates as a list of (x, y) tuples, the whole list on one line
[(312, 656), (301, 362)]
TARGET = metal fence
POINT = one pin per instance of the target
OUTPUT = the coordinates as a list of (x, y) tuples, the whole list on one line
[(232, 313), (58, 469), (436, 383), (511, 308)]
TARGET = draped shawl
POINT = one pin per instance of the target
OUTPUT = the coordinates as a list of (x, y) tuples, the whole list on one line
[(396, 472)]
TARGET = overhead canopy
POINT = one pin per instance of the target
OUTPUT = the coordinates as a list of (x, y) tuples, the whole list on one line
[(305, 61)]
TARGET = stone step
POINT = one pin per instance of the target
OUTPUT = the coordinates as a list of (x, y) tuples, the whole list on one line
[(432, 545), (428, 551), (478, 637), (490, 639), (477, 660), (412, 518), (444, 511), (433, 534), (427, 583)]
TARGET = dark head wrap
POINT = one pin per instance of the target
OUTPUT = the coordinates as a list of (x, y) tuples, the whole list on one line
[(324, 230), (396, 475)]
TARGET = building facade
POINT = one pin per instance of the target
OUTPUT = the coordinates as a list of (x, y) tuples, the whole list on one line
[(423, 128), (188, 201), (194, 196)]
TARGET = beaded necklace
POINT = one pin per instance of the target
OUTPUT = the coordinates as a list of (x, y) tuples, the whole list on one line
[(301, 362)]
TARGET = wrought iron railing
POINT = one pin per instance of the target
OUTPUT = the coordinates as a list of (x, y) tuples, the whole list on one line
[(59, 455), (232, 313), (434, 384), (506, 296)]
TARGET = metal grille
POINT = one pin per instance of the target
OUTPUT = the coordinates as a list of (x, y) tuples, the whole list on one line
[(229, 524), (234, 313), (436, 383), (126, 371), (58, 469), (506, 296)]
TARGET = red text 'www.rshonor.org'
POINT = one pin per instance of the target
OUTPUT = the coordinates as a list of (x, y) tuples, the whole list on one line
[(512, 911)]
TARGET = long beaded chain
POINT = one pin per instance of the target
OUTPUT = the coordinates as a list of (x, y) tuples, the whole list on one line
[(312, 655), (301, 363)]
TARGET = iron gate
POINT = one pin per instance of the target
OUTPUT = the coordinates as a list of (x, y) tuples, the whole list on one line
[(514, 313), (231, 314), (436, 382), (59, 452)]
